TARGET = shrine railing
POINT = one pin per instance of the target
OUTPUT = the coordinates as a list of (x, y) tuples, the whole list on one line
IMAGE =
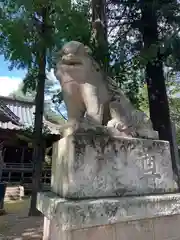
[(22, 166)]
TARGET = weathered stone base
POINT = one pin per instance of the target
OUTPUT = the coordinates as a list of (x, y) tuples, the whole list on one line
[(130, 218), (91, 166)]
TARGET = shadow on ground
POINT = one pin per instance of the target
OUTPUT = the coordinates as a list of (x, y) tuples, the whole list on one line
[(16, 225)]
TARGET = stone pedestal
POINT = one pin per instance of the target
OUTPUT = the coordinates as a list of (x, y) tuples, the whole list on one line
[(90, 165), (106, 187), (126, 218)]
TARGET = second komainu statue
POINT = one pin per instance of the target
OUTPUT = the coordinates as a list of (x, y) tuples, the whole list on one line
[(93, 99)]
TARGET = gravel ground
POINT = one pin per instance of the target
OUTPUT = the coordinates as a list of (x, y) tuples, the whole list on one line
[(16, 225)]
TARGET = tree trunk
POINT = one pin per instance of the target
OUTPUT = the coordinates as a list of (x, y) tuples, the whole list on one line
[(38, 141), (99, 24), (100, 40), (158, 100)]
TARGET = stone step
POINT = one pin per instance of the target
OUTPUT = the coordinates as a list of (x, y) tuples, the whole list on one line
[(14, 193)]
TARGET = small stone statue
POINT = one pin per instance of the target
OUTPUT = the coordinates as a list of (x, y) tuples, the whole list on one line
[(94, 99)]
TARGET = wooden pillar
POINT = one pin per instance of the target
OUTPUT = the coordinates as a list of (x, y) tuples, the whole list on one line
[(22, 164), (1, 158), (22, 155), (9, 176)]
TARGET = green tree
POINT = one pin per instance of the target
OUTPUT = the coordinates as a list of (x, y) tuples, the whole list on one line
[(43, 26), (20, 95), (33, 19), (173, 90), (99, 34), (54, 112), (147, 32)]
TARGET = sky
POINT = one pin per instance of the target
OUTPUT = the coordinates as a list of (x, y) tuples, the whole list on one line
[(9, 80)]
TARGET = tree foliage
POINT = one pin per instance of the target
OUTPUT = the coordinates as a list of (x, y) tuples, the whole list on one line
[(73, 21), (139, 41), (173, 90), (66, 22), (125, 28)]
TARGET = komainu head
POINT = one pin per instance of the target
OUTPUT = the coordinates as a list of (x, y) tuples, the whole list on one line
[(76, 54), (73, 52)]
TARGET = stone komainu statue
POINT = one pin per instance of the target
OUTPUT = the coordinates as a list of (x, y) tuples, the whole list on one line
[(92, 97)]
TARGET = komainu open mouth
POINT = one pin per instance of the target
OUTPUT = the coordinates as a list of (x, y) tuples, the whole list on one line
[(71, 60)]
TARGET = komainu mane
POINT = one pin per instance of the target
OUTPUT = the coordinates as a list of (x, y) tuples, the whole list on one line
[(92, 97)]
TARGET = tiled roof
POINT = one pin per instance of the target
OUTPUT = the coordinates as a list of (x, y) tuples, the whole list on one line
[(7, 114), (25, 111)]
